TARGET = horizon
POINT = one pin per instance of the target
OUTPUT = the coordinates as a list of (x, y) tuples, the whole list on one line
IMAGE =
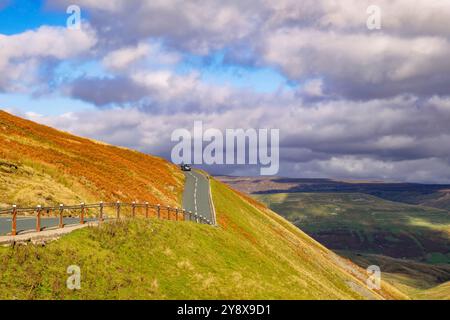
[(349, 180)]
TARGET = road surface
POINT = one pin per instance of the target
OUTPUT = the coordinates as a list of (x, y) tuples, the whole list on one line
[(195, 199), (196, 194), (29, 223)]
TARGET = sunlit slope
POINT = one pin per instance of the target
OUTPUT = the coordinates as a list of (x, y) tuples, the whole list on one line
[(410, 243), (41, 165), (441, 292), (253, 254), (304, 268), (364, 223)]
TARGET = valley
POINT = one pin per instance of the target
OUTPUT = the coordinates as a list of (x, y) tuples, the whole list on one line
[(410, 242), (252, 253)]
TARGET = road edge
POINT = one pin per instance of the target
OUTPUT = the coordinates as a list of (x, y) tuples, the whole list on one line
[(46, 235), (211, 202)]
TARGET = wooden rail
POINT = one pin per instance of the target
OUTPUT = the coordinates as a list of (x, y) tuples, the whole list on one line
[(161, 212)]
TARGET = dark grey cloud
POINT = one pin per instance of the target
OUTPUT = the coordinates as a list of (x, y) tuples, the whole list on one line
[(106, 91)]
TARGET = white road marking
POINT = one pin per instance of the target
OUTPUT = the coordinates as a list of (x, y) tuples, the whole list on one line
[(195, 192)]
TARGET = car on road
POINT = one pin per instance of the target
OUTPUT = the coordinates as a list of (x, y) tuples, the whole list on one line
[(186, 167)]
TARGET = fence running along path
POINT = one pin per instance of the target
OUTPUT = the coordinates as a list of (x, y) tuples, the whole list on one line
[(85, 210)]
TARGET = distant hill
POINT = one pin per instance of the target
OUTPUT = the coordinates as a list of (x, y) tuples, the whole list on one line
[(39, 164), (252, 254), (362, 221), (432, 195)]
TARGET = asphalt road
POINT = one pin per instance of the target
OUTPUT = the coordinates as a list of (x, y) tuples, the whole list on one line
[(29, 223), (195, 199), (196, 194)]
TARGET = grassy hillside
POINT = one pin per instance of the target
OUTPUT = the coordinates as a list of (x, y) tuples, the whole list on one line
[(410, 243), (430, 195), (417, 279), (365, 223), (441, 292), (254, 254), (41, 165)]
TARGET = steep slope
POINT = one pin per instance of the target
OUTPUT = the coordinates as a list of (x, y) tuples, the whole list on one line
[(410, 243), (253, 254), (42, 165), (441, 292)]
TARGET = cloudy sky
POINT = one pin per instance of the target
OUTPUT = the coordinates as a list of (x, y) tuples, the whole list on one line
[(350, 102)]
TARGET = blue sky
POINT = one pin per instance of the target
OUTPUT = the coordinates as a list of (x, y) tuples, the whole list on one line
[(25, 15)]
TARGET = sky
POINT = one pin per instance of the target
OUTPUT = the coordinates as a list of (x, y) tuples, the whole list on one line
[(351, 102)]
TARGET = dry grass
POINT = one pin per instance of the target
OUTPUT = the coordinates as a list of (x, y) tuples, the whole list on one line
[(59, 167)]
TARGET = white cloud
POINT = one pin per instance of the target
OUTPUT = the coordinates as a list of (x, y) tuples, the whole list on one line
[(359, 103), (22, 54), (376, 59), (313, 88), (124, 58), (384, 139)]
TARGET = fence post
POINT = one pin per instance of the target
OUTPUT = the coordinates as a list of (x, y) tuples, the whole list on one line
[(100, 219), (146, 209), (38, 218), (82, 213), (133, 209), (158, 209), (176, 214), (118, 209), (14, 221), (196, 217), (61, 211), (168, 212)]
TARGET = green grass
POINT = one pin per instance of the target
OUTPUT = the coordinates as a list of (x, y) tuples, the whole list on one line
[(366, 223), (412, 277), (408, 242), (254, 254)]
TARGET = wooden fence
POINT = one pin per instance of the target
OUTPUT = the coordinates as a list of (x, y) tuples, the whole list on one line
[(85, 212)]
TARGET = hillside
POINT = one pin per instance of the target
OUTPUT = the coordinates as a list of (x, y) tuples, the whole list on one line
[(253, 254), (42, 165), (410, 243), (430, 195), (354, 221), (417, 279)]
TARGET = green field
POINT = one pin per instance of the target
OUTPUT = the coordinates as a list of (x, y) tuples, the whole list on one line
[(253, 254), (415, 240)]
